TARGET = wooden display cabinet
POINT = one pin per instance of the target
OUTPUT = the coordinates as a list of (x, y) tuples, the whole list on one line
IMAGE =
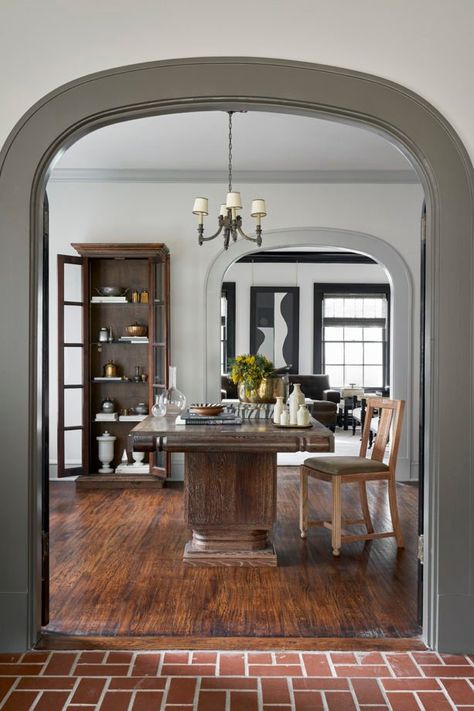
[(82, 356)]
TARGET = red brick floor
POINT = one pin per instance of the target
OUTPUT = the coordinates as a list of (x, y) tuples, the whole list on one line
[(235, 681)]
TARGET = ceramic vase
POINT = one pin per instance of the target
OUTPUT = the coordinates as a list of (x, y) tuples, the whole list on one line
[(106, 452), (303, 417), (294, 401), (277, 410)]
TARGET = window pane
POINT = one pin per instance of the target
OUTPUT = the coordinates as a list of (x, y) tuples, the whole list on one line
[(336, 375), (353, 374), (370, 308), (353, 353), (349, 308), (359, 308), (329, 307), (339, 308), (373, 333), (333, 333), (373, 376), (352, 334), (373, 353), (333, 353)]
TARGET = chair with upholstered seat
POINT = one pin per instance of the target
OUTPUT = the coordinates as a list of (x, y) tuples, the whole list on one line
[(359, 470)]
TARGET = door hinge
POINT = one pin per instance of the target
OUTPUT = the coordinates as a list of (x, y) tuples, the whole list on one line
[(421, 548), (45, 544)]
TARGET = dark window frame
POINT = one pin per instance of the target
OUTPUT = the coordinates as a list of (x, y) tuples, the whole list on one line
[(228, 291), (348, 289)]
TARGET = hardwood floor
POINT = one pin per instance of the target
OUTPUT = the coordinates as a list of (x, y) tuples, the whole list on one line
[(117, 570)]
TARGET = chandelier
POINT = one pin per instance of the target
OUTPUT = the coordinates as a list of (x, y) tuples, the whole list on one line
[(229, 221)]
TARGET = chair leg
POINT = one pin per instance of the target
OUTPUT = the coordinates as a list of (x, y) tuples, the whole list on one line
[(365, 506), (303, 502), (392, 498), (336, 516)]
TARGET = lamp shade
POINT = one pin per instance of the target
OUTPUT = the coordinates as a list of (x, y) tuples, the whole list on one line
[(223, 211), (233, 200), (200, 206), (258, 208)]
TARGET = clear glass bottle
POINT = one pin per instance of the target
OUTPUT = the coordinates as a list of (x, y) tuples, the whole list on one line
[(172, 399), (158, 410)]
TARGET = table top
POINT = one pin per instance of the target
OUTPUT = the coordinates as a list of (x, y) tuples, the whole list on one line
[(163, 434)]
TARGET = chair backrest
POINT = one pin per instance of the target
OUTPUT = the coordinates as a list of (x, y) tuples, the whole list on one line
[(390, 415)]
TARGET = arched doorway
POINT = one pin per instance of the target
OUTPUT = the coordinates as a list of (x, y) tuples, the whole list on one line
[(243, 83)]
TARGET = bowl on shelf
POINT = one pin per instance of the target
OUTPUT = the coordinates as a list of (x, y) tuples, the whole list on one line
[(206, 408), (136, 329), (111, 291)]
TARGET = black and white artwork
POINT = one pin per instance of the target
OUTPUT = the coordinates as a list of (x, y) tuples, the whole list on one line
[(274, 324)]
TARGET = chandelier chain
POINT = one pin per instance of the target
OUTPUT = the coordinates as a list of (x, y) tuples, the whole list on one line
[(230, 150)]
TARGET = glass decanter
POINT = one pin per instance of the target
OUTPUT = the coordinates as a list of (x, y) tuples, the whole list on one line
[(158, 410), (172, 399)]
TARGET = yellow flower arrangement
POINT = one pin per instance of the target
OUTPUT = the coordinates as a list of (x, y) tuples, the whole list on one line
[(250, 369)]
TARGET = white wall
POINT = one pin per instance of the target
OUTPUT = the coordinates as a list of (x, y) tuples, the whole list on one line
[(302, 275), (145, 212)]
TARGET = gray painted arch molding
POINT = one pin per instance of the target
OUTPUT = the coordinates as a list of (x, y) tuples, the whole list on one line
[(402, 311), (226, 83)]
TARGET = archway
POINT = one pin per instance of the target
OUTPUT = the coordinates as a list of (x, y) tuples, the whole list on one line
[(244, 83)]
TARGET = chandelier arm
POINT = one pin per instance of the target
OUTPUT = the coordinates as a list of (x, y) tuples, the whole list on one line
[(201, 237), (250, 239)]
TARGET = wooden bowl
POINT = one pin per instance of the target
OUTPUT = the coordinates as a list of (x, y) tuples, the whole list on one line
[(208, 409), (136, 330)]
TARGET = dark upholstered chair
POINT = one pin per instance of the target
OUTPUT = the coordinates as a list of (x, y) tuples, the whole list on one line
[(316, 387)]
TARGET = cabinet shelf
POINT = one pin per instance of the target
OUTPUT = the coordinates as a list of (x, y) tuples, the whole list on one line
[(120, 343), (111, 381)]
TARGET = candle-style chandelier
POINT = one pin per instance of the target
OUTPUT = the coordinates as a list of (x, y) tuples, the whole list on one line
[(229, 220)]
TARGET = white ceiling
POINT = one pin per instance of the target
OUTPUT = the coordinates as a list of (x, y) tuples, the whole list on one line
[(261, 142)]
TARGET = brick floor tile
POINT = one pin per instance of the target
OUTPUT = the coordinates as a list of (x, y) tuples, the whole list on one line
[(34, 657), (370, 658), (276, 670), (432, 701), (426, 657), (454, 659), (343, 658), (368, 691), (243, 701), (358, 671), (339, 701), (91, 657), (20, 669), (417, 684), (231, 665), (212, 701), (60, 664), (147, 701), (459, 690), (316, 665), (119, 658), (38, 683), (101, 670), (188, 670), (176, 658), (403, 702), (308, 701), (271, 707), (287, 658), (9, 658), (449, 671), (145, 665), (52, 701), (20, 701), (320, 684), (259, 658), (5, 686), (179, 707), (88, 691), (181, 691), (229, 682), (402, 665), (204, 658), (275, 691), (115, 701), (138, 682)]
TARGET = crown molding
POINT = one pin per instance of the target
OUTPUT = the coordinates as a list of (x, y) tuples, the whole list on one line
[(78, 175)]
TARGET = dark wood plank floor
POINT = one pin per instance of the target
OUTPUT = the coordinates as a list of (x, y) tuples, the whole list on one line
[(116, 569)]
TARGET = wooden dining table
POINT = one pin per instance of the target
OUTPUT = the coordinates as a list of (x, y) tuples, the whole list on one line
[(230, 482)]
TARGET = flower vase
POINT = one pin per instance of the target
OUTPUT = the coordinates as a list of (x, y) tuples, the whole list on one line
[(172, 400)]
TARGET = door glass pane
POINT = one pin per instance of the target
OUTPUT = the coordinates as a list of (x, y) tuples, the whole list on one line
[(373, 353), (73, 373), (336, 375), (160, 327), (353, 353), (373, 376), (159, 282), (159, 359), (333, 353), (72, 448), (72, 282), (73, 324), (353, 374), (333, 333), (73, 407)]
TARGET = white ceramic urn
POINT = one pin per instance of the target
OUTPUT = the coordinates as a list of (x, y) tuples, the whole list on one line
[(106, 451)]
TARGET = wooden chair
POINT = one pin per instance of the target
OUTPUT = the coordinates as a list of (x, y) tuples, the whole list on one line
[(360, 470)]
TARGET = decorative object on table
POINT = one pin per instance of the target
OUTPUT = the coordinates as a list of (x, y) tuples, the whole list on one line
[(136, 329), (144, 296), (173, 399), (222, 418), (108, 405), (158, 409), (228, 219), (106, 452), (104, 335), (110, 370), (303, 418), (278, 409), (285, 417), (274, 324), (111, 291), (206, 408), (294, 401), (141, 408), (253, 376), (137, 378)]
